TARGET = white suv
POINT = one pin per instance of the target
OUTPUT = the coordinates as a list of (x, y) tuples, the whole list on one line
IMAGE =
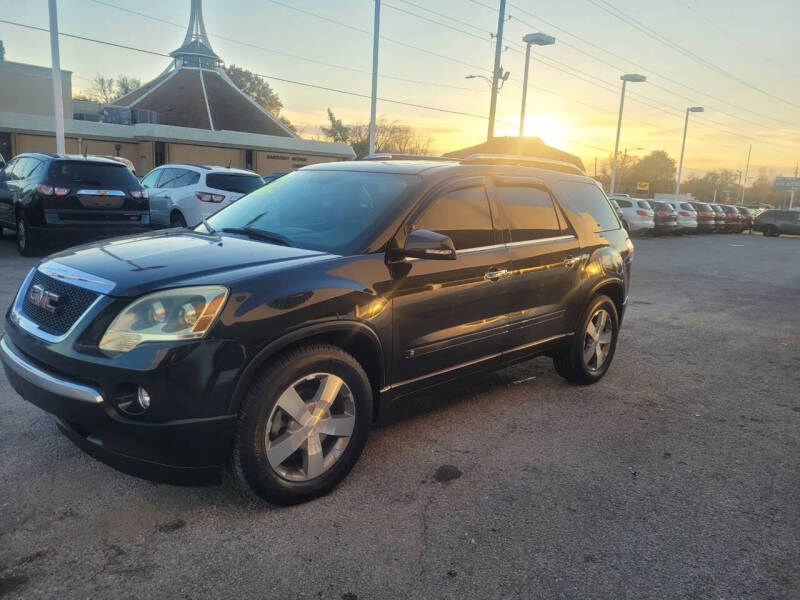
[(638, 215), (182, 195)]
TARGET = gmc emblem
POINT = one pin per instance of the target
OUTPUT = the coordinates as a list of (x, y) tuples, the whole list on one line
[(43, 298)]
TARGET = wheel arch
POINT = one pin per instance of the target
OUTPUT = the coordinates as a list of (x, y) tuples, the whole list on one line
[(614, 289), (354, 337)]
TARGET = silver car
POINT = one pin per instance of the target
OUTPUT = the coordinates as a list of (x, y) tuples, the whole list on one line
[(687, 216), (638, 216)]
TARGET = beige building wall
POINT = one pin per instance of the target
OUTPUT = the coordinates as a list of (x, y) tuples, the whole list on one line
[(24, 142), (205, 155), (277, 162), (28, 89)]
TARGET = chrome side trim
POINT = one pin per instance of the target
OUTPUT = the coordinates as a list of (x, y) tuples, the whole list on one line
[(558, 238), (479, 249), (77, 277), (43, 380), (469, 363)]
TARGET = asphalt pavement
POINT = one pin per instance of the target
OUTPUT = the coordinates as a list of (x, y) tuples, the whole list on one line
[(676, 476)]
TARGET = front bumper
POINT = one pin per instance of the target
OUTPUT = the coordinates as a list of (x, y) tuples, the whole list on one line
[(181, 452)]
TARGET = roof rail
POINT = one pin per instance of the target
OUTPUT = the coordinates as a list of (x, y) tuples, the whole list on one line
[(398, 156), (523, 161)]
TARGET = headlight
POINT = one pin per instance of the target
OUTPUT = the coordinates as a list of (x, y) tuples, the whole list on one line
[(179, 314)]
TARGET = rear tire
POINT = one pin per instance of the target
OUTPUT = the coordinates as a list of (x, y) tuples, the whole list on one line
[(771, 231), (27, 245), (294, 440), (176, 219), (592, 348)]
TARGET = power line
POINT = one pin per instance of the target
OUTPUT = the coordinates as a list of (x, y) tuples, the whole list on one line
[(636, 24)]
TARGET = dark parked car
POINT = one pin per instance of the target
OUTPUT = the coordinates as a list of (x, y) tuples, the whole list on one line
[(772, 223), (666, 219), (747, 217), (273, 336), (60, 197), (719, 218), (733, 219), (706, 217), (272, 177)]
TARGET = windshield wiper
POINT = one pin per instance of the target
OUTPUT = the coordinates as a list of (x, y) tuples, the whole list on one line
[(259, 234)]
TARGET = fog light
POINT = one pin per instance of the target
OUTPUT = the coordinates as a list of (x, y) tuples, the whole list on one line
[(144, 398)]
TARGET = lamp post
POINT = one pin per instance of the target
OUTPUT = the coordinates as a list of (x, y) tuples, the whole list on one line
[(374, 96), (633, 78), (690, 109), (532, 39), (58, 102)]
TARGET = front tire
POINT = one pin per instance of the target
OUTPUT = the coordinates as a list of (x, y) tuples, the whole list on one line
[(592, 349), (303, 424)]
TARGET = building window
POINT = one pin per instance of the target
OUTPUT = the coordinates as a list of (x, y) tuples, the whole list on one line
[(248, 159), (5, 145), (159, 153)]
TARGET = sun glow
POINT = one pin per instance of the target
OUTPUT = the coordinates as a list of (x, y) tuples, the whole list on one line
[(552, 130)]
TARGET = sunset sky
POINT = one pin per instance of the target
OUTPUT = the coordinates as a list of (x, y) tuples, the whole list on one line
[(738, 59)]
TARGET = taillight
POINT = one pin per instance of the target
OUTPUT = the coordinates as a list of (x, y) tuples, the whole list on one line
[(663, 213), (642, 213), (203, 197), (49, 190), (684, 213), (704, 214), (139, 194)]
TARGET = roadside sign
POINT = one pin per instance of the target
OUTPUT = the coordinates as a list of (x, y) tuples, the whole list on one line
[(787, 183), (642, 186)]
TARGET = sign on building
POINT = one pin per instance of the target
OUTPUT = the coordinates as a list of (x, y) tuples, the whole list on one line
[(642, 186)]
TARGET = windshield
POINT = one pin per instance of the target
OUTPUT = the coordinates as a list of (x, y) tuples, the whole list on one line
[(318, 210)]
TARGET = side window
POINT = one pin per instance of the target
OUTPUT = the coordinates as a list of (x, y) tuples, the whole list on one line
[(8, 172), (168, 176), (461, 214), (624, 203), (589, 201), (151, 179), (529, 211), (186, 178), (37, 170), (645, 204)]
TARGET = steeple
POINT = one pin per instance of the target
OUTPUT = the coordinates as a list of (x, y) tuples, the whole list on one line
[(196, 49)]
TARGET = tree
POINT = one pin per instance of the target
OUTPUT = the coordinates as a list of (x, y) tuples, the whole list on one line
[(259, 90), (390, 136), (338, 131), (658, 169), (623, 183), (712, 184), (107, 89)]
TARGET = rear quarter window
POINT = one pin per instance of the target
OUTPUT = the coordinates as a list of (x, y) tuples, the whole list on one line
[(644, 204), (589, 201), (624, 203), (230, 182)]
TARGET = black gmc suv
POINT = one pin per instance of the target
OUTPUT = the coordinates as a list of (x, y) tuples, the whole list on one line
[(60, 197), (272, 335)]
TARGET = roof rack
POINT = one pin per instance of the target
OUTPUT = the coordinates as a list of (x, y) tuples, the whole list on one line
[(523, 161), (399, 156)]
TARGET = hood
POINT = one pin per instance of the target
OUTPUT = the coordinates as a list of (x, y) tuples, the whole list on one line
[(142, 263)]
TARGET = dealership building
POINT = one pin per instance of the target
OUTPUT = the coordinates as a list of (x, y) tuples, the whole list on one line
[(192, 112)]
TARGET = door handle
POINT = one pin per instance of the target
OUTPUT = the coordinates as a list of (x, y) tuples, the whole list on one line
[(496, 274), (571, 261)]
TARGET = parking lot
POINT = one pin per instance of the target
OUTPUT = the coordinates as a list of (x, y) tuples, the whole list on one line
[(676, 476)]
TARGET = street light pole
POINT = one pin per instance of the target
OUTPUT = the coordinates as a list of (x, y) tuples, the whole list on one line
[(374, 98), (683, 146), (58, 102), (496, 74), (746, 169), (532, 39), (634, 78)]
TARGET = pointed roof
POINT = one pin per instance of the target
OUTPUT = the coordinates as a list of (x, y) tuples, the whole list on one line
[(196, 41), (527, 146), (194, 91)]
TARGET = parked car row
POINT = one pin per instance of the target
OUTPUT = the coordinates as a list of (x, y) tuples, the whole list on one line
[(677, 217), (62, 198)]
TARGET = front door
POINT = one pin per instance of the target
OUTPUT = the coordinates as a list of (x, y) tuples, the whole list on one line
[(450, 314), (545, 257)]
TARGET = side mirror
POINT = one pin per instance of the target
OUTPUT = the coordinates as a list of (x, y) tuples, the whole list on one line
[(422, 243)]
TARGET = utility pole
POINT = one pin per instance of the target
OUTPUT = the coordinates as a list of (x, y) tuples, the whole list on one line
[(791, 194), (595, 167), (374, 100), (58, 102), (496, 74), (746, 169)]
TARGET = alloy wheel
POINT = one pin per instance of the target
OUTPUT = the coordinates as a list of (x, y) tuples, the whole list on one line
[(310, 427), (598, 338), (21, 234)]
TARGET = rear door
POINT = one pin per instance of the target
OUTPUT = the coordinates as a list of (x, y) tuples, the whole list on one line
[(545, 255), (450, 313)]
